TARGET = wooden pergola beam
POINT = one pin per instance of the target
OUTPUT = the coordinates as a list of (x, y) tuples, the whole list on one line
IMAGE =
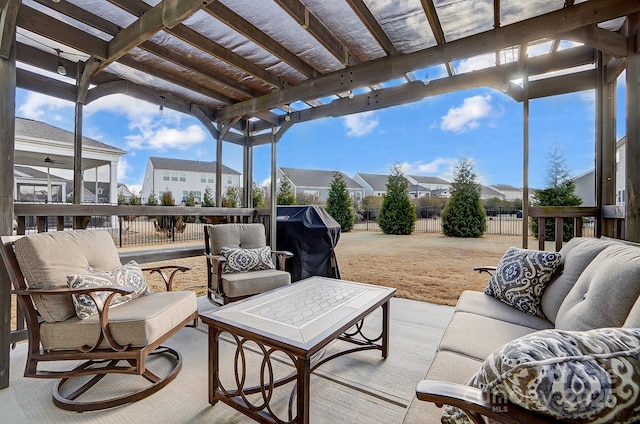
[(550, 25), (166, 14), (436, 28), (246, 28), (608, 42), (8, 17), (305, 18), (369, 21)]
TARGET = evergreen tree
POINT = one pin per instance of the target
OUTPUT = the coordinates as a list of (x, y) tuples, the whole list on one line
[(167, 198), (560, 191), (152, 200), (257, 196), (231, 197), (464, 214), (339, 203), (134, 200), (285, 193), (397, 215), (190, 200), (208, 200)]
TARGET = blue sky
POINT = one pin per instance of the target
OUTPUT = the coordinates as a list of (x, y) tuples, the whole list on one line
[(426, 137)]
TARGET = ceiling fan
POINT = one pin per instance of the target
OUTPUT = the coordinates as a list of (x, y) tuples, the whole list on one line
[(50, 161)]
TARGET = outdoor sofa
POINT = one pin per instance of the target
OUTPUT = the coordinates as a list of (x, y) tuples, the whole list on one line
[(576, 360)]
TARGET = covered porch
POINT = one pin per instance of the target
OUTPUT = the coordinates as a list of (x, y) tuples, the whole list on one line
[(360, 387)]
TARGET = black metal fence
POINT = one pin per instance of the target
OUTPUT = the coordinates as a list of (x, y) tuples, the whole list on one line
[(500, 220)]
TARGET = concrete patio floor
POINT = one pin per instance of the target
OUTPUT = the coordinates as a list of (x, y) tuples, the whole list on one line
[(357, 388)]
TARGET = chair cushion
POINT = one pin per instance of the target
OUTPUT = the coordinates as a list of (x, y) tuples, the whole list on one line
[(129, 275), (245, 260), (574, 376), (46, 259), (248, 236), (249, 283), (139, 322), (521, 277), (605, 291)]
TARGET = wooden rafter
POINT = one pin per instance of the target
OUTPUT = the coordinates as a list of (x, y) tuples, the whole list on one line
[(8, 16), (556, 41), (367, 18), (305, 18), (204, 44), (436, 28), (244, 27), (549, 25)]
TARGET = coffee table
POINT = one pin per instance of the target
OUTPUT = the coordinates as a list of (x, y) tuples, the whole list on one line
[(298, 321)]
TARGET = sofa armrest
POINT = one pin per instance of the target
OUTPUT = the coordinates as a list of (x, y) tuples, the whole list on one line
[(168, 279), (488, 269), (476, 404), (282, 256)]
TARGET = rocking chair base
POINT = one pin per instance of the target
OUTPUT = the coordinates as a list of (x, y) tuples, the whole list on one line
[(69, 401)]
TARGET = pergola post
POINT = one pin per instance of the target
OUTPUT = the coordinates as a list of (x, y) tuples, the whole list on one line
[(525, 159), (632, 222), (247, 169), (7, 162)]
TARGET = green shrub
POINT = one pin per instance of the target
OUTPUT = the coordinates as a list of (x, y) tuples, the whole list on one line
[(464, 214), (339, 203), (397, 215)]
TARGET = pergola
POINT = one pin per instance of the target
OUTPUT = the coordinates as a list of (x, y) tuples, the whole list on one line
[(249, 70)]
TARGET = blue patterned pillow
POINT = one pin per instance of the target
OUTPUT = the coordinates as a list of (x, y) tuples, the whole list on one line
[(245, 260), (574, 376), (521, 277)]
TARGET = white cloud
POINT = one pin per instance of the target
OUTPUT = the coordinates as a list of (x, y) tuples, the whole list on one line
[(477, 62), (467, 116), (360, 124), (37, 106), (123, 169), (439, 167)]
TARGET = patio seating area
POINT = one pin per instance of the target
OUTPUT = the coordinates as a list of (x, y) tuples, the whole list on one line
[(360, 387)]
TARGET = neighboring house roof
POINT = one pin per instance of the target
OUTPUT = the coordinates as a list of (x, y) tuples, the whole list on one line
[(36, 129), (439, 192), (188, 165), (505, 187), (316, 178), (28, 172), (418, 188), (488, 191), (428, 180), (584, 174), (124, 190), (377, 182)]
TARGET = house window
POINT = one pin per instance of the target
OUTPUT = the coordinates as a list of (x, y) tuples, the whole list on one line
[(618, 156), (165, 176), (185, 194), (210, 179), (203, 178), (174, 176), (183, 177), (100, 190), (229, 180)]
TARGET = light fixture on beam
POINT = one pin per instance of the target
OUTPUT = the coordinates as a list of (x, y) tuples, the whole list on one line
[(287, 117), (351, 94), (161, 108), (61, 69), (56, 1)]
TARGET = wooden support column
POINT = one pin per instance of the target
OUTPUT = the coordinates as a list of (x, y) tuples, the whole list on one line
[(247, 169), (7, 162), (274, 192), (605, 141), (525, 159), (633, 131)]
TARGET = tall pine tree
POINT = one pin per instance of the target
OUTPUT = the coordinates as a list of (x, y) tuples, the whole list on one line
[(397, 215), (339, 203), (464, 214), (285, 193)]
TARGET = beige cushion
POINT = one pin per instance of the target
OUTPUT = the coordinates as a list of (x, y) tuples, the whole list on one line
[(247, 236), (479, 303), (605, 292), (138, 322), (633, 319), (249, 283), (46, 259), (576, 254)]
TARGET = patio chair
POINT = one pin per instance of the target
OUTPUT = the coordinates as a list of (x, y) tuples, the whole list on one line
[(83, 334), (239, 262)]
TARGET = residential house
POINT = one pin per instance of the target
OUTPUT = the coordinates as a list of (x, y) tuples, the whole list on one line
[(417, 191), (124, 191), (485, 193), (510, 193), (430, 183), (312, 182), (373, 184), (182, 176), (585, 188), (49, 150)]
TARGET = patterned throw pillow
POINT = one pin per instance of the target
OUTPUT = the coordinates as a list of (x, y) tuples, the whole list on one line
[(129, 275), (244, 260), (521, 277), (574, 376)]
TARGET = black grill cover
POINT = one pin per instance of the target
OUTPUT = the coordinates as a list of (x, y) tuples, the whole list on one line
[(311, 234)]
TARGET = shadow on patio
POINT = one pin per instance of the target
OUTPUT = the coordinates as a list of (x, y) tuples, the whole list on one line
[(360, 387)]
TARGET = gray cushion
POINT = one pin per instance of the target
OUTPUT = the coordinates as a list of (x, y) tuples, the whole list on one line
[(521, 277), (138, 322), (605, 292), (248, 236), (249, 283), (129, 275), (633, 319), (574, 376), (576, 254), (46, 259), (476, 336), (479, 303)]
